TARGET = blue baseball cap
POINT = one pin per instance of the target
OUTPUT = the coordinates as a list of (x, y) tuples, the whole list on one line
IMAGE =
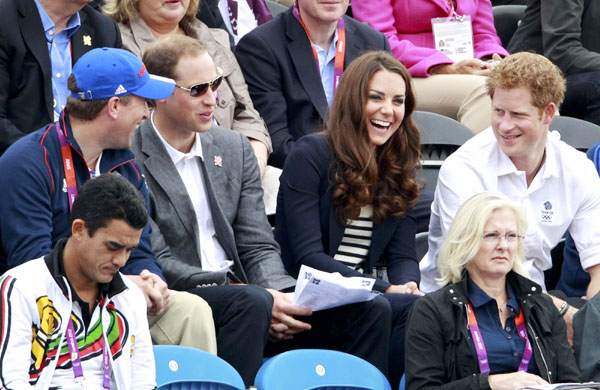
[(106, 72)]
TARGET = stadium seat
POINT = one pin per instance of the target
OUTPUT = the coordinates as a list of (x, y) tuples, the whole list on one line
[(506, 21), (440, 137), (319, 369), (421, 244), (185, 368), (275, 8), (578, 133)]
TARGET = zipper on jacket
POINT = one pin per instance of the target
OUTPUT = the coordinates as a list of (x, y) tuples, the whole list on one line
[(466, 311), (535, 338)]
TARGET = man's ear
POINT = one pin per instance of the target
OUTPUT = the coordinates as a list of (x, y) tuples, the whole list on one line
[(160, 101), (113, 105), (548, 113), (79, 229)]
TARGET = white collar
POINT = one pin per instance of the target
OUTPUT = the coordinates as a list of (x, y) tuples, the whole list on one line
[(549, 168), (175, 155)]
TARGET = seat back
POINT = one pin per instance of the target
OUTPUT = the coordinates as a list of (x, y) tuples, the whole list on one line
[(312, 369), (421, 244), (506, 21), (440, 137), (578, 133), (552, 275), (184, 368), (275, 8)]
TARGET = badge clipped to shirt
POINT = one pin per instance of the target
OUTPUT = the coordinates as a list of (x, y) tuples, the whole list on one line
[(454, 37)]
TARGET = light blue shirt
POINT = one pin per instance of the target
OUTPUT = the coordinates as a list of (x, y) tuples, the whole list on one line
[(326, 67), (59, 49)]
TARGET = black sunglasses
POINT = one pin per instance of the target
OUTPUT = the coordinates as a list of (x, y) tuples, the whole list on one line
[(200, 89)]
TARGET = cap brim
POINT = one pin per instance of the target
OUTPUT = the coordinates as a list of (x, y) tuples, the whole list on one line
[(156, 87)]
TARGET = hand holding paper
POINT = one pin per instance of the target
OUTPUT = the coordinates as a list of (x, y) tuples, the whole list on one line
[(319, 290)]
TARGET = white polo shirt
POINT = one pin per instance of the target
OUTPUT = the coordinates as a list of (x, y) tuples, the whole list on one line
[(565, 194)]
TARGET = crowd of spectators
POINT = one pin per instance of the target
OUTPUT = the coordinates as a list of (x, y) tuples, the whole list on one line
[(138, 139)]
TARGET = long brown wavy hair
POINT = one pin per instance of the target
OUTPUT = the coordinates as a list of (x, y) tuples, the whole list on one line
[(383, 176)]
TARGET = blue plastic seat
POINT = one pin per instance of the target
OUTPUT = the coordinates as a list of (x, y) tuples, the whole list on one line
[(319, 369), (184, 368)]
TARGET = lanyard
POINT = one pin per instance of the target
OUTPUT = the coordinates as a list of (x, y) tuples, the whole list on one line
[(340, 49), (261, 13), (76, 359), (484, 365), (232, 6), (452, 6), (69, 168)]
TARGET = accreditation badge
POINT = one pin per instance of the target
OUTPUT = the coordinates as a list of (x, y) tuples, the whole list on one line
[(454, 37)]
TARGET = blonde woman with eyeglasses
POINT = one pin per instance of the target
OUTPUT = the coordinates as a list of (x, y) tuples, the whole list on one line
[(490, 326)]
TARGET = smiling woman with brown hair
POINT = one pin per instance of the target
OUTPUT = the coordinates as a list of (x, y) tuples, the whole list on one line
[(346, 194), (492, 327)]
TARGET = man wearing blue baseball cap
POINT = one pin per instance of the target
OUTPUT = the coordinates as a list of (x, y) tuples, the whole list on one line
[(43, 170)]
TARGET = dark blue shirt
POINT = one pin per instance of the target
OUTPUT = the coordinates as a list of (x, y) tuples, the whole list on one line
[(503, 345)]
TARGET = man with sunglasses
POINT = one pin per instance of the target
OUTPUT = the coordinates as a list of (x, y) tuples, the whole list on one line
[(206, 197)]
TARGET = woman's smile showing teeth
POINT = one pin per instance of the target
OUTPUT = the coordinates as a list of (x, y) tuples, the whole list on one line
[(384, 106), (380, 124)]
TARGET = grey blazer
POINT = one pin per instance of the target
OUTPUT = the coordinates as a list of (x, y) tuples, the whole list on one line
[(235, 198)]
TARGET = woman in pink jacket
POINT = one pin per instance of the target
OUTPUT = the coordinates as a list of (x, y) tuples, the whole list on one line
[(454, 89)]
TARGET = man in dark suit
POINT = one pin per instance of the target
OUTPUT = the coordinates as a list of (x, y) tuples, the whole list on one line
[(291, 91), (206, 199), (566, 32), (31, 56)]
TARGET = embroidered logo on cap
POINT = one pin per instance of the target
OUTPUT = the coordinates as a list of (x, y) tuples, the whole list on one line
[(142, 71), (120, 90)]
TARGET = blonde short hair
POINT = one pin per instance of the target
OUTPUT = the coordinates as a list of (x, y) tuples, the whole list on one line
[(124, 10), (536, 73), (466, 234)]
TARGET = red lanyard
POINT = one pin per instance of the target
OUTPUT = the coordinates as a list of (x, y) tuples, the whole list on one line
[(484, 365), (340, 48), (69, 168), (68, 165)]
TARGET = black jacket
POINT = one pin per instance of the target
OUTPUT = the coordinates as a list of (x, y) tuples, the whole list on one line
[(564, 31), (26, 101), (438, 352)]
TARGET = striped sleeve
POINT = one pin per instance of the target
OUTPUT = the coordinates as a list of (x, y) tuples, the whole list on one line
[(15, 336)]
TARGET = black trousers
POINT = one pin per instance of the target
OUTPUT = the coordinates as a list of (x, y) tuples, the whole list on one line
[(242, 316), (361, 329), (401, 305), (582, 99)]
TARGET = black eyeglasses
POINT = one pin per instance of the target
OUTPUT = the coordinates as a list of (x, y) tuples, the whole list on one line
[(201, 88)]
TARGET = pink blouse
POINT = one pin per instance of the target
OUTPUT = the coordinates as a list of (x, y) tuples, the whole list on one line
[(407, 25)]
